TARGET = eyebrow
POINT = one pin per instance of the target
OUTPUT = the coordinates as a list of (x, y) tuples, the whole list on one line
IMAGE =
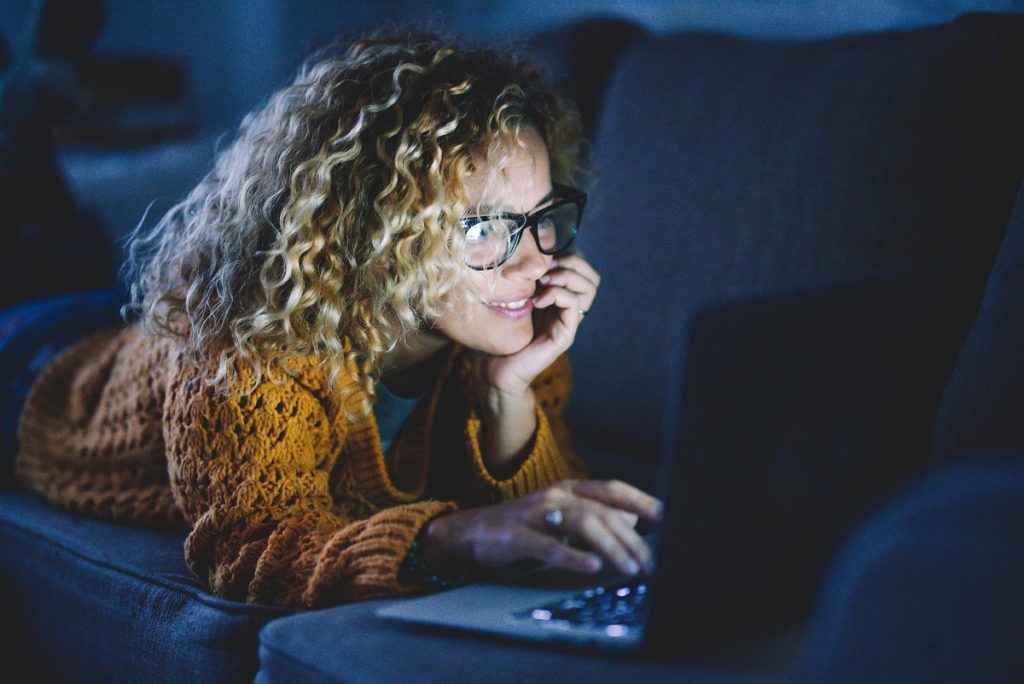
[(487, 209)]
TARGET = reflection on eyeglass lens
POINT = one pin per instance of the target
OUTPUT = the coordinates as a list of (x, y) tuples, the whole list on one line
[(490, 241)]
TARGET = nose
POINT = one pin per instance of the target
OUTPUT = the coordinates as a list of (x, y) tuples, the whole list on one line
[(527, 262)]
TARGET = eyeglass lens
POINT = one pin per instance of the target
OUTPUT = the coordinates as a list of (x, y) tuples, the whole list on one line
[(490, 242)]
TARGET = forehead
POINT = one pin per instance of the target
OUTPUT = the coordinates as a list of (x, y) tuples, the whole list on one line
[(515, 178)]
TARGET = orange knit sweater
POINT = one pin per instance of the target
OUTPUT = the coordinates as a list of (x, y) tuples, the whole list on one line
[(285, 501)]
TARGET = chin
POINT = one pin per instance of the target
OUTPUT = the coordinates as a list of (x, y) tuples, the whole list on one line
[(509, 340), (485, 331), (507, 346)]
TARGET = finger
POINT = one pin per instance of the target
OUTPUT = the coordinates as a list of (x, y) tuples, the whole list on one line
[(583, 284), (578, 263), (633, 542), (629, 518), (592, 529), (620, 495), (551, 340), (557, 296), (565, 268), (572, 281), (559, 321), (545, 548)]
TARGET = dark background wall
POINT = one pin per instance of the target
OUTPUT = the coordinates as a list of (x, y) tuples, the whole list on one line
[(239, 50), (234, 53)]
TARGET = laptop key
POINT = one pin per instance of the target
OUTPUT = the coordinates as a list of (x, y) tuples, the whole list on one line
[(614, 608)]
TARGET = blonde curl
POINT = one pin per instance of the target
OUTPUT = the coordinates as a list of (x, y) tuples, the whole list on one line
[(328, 228)]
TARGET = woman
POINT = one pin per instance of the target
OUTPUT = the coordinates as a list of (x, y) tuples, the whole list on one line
[(349, 373)]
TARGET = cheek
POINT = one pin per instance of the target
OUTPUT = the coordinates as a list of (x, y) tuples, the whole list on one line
[(475, 326), (479, 283), (474, 289), (471, 323)]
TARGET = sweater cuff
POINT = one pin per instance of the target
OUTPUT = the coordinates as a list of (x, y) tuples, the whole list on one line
[(371, 562), (543, 466)]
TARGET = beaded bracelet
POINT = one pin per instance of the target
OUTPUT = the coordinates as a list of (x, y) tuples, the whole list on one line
[(415, 566)]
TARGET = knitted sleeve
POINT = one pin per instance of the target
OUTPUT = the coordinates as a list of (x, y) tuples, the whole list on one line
[(551, 457), (253, 474), (90, 430)]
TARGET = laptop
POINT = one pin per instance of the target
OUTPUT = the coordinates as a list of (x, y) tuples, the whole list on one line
[(791, 416)]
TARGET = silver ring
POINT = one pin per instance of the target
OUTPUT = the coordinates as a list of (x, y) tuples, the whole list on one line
[(554, 518), (582, 314)]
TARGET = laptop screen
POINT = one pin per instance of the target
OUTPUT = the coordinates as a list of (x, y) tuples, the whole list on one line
[(794, 414)]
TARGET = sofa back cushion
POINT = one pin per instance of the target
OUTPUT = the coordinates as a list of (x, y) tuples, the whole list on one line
[(577, 58), (730, 166)]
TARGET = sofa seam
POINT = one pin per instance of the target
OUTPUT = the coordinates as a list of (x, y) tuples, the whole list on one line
[(313, 669)]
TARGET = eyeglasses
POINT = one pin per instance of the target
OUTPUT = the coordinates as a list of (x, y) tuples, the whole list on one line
[(492, 239)]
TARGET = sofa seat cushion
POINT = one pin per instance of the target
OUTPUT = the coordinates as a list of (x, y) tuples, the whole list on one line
[(86, 600), (351, 644)]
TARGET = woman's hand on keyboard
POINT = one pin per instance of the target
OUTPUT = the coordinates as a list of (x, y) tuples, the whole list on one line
[(598, 515)]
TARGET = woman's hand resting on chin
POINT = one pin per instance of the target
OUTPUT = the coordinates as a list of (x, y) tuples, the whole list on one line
[(599, 516), (506, 399), (567, 289)]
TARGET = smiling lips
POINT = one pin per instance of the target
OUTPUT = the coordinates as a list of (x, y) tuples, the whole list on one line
[(516, 308)]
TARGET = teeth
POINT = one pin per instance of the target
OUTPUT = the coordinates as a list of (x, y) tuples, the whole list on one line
[(518, 304)]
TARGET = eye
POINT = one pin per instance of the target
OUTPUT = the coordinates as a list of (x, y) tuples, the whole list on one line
[(479, 231), (488, 230)]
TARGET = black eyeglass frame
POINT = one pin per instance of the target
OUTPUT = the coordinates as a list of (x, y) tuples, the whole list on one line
[(563, 195)]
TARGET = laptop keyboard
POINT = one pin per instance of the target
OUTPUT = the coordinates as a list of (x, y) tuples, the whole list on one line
[(616, 609)]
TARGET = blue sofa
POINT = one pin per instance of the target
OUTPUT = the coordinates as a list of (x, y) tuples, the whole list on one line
[(726, 168)]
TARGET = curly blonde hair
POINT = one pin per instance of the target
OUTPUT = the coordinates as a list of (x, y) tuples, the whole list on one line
[(329, 227)]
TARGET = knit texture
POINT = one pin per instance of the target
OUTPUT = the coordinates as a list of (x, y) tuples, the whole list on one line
[(285, 500)]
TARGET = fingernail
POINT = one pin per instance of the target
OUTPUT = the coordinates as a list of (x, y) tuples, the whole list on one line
[(631, 567), (594, 563), (659, 508), (545, 278)]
